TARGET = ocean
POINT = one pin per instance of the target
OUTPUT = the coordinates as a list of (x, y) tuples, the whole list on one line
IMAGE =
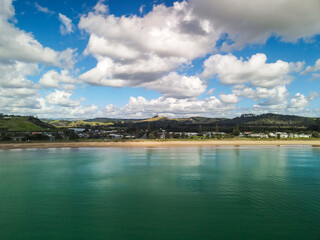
[(223, 192)]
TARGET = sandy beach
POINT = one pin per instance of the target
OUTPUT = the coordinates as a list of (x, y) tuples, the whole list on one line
[(153, 143)]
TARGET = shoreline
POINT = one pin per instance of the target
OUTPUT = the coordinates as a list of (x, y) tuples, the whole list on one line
[(161, 143)]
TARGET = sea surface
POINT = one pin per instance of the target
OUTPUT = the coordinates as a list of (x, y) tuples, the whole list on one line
[(160, 193)]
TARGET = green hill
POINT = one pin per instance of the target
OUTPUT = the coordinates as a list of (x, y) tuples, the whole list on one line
[(23, 123), (270, 119), (79, 123), (248, 122)]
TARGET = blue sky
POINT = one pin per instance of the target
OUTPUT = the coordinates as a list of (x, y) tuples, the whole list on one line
[(136, 59)]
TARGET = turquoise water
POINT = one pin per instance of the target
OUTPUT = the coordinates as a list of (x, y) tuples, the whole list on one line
[(170, 193)]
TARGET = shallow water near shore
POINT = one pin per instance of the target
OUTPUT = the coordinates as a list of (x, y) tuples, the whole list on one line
[(245, 192)]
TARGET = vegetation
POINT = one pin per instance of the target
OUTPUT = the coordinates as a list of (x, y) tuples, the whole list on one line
[(75, 124), (19, 128), (20, 124)]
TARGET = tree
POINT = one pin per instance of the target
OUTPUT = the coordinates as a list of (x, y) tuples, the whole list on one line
[(211, 135), (58, 136), (168, 135), (315, 134), (200, 130), (318, 124), (217, 127), (183, 135), (156, 134), (71, 135), (149, 128), (236, 131), (151, 136)]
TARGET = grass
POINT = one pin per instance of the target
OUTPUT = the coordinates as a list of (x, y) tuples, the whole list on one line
[(154, 119), (64, 123), (18, 124)]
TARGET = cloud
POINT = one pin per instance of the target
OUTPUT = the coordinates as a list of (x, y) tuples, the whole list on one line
[(141, 108), (210, 91), (141, 8), (16, 90), (101, 8), (20, 58), (233, 71), (6, 10), (313, 95), (14, 74), (43, 9), (310, 69), (178, 86), (250, 21), (136, 51), (229, 98), (17, 45), (53, 79), (66, 26), (18, 106), (270, 99), (62, 98), (298, 103)]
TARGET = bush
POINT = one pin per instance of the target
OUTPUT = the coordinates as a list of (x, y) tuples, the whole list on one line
[(151, 136)]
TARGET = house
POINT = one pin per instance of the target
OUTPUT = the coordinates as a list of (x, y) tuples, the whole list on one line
[(246, 134), (129, 137), (17, 138), (190, 134), (282, 134), (304, 136), (78, 130), (272, 134), (115, 136)]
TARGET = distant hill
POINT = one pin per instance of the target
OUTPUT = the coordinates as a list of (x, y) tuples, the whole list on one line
[(247, 122), (270, 119), (191, 120), (23, 123), (74, 124), (110, 120)]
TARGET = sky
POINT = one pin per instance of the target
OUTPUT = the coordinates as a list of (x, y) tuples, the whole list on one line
[(137, 58)]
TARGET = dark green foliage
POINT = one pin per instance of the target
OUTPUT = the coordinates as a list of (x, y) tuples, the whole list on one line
[(151, 136), (38, 122), (168, 135), (236, 131), (38, 137), (217, 127), (315, 134), (200, 130), (71, 135)]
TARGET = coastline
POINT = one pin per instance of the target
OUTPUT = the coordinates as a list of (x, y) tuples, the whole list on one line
[(160, 143)]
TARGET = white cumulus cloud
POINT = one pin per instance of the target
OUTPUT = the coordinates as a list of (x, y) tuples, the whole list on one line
[(136, 51), (231, 70), (53, 79)]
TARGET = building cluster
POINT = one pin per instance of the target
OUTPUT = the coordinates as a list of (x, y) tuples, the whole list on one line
[(85, 133), (274, 135)]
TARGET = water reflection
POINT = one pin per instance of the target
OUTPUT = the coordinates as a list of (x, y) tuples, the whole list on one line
[(120, 192)]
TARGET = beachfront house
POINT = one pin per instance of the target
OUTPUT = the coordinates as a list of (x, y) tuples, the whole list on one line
[(115, 136)]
